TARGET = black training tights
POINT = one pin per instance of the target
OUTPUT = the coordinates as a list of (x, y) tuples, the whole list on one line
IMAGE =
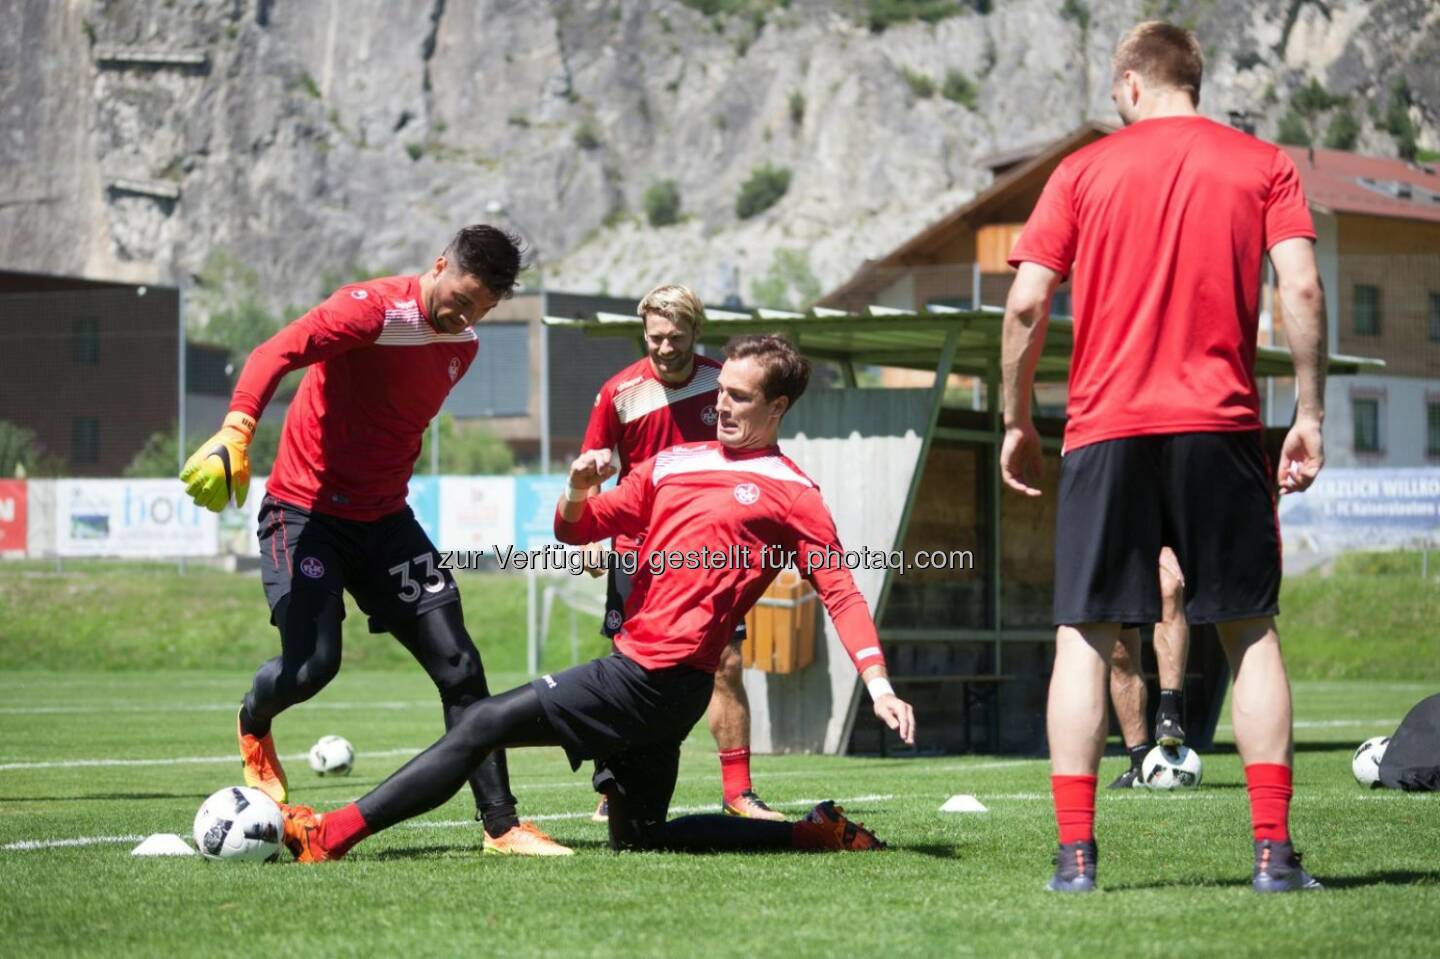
[(309, 624), (513, 718), (516, 718)]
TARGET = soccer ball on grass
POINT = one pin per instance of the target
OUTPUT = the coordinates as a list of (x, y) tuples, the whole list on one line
[(1365, 764), (332, 756), (1167, 768), (239, 824)]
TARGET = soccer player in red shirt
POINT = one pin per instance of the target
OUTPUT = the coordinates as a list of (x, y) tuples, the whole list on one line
[(1162, 228), (382, 356), (662, 400), (716, 517)]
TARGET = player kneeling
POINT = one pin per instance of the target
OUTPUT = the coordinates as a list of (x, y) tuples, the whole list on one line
[(631, 710)]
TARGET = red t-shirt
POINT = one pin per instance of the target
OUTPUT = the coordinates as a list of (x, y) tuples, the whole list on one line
[(638, 414), (1162, 227), (706, 497), (379, 372)]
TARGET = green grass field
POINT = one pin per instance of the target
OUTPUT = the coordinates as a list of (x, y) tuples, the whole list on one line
[(92, 760), (1174, 866), (1373, 616)]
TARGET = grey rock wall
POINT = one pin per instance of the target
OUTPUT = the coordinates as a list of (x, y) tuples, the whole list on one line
[(323, 134)]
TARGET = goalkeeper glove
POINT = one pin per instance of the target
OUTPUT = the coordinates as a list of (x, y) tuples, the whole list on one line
[(220, 469)]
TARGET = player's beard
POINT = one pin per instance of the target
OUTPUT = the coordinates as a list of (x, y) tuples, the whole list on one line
[(674, 364)]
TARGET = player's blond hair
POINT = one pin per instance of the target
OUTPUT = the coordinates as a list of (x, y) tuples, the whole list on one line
[(676, 303), (1164, 54)]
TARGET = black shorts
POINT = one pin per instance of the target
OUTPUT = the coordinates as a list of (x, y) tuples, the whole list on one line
[(389, 565), (1208, 496), (611, 706), (618, 585)]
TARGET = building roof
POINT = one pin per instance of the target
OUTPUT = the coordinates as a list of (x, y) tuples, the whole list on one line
[(1339, 182), (1032, 160), (1334, 181)]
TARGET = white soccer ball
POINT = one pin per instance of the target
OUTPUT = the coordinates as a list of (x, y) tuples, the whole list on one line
[(1167, 768), (1365, 764), (239, 824), (332, 756)]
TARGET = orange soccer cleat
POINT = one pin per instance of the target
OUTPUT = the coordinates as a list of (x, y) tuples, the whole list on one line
[(748, 805), (526, 839), (261, 766), (302, 834), (825, 827)]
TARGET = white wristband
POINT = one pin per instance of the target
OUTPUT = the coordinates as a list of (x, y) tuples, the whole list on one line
[(573, 495), (879, 686)]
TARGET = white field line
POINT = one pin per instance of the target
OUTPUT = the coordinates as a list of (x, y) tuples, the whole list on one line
[(678, 810), (1328, 723), (416, 750), (177, 760), (27, 845), (230, 707), (581, 781), (1139, 794)]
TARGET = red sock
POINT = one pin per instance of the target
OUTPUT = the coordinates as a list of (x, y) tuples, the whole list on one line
[(342, 829), (1271, 785), (1074, 807), (735, 771)]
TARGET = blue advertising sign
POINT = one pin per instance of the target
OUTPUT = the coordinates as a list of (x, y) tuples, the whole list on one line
[(1364, 509), (535, 498), (424, 499)]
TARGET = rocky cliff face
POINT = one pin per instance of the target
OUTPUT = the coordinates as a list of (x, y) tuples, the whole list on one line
[(315, 136)]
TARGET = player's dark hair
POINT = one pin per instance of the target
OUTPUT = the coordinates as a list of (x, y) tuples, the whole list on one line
[(489, 254), (787, 372), (1164, 54)]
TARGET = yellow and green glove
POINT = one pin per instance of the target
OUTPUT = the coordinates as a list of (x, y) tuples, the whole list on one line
[(220, 469)]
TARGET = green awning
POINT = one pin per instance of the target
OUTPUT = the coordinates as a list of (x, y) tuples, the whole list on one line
[(914, 340)]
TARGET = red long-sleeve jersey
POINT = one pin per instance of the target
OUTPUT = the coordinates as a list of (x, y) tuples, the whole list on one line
[(378, 373), (720, 524), (638, 415)]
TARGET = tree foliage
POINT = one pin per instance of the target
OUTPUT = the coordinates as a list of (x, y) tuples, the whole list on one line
[(662, 203), (959, 88), (1398, 122), (1344, 131), (766, 185), (157, 458), (22, 453), (471, 449), (789, 283)]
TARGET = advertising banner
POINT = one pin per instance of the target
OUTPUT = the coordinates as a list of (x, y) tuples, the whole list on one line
[(1364, 509), (134, 518), (424, 500), (476, 513), (238, 526), (14, 517), (535, 498)]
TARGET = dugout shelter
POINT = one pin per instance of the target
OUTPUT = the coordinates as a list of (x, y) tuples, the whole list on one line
[(914, 471)]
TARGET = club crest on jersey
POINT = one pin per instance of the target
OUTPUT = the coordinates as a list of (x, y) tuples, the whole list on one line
[(613, 620), (454, 368), (359, 294), (312, 567), (708, 416), (747, 493)]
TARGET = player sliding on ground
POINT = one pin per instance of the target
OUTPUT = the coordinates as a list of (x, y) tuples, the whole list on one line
[(657, 402), (631, 710), (382, 357), (1163, 227)]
